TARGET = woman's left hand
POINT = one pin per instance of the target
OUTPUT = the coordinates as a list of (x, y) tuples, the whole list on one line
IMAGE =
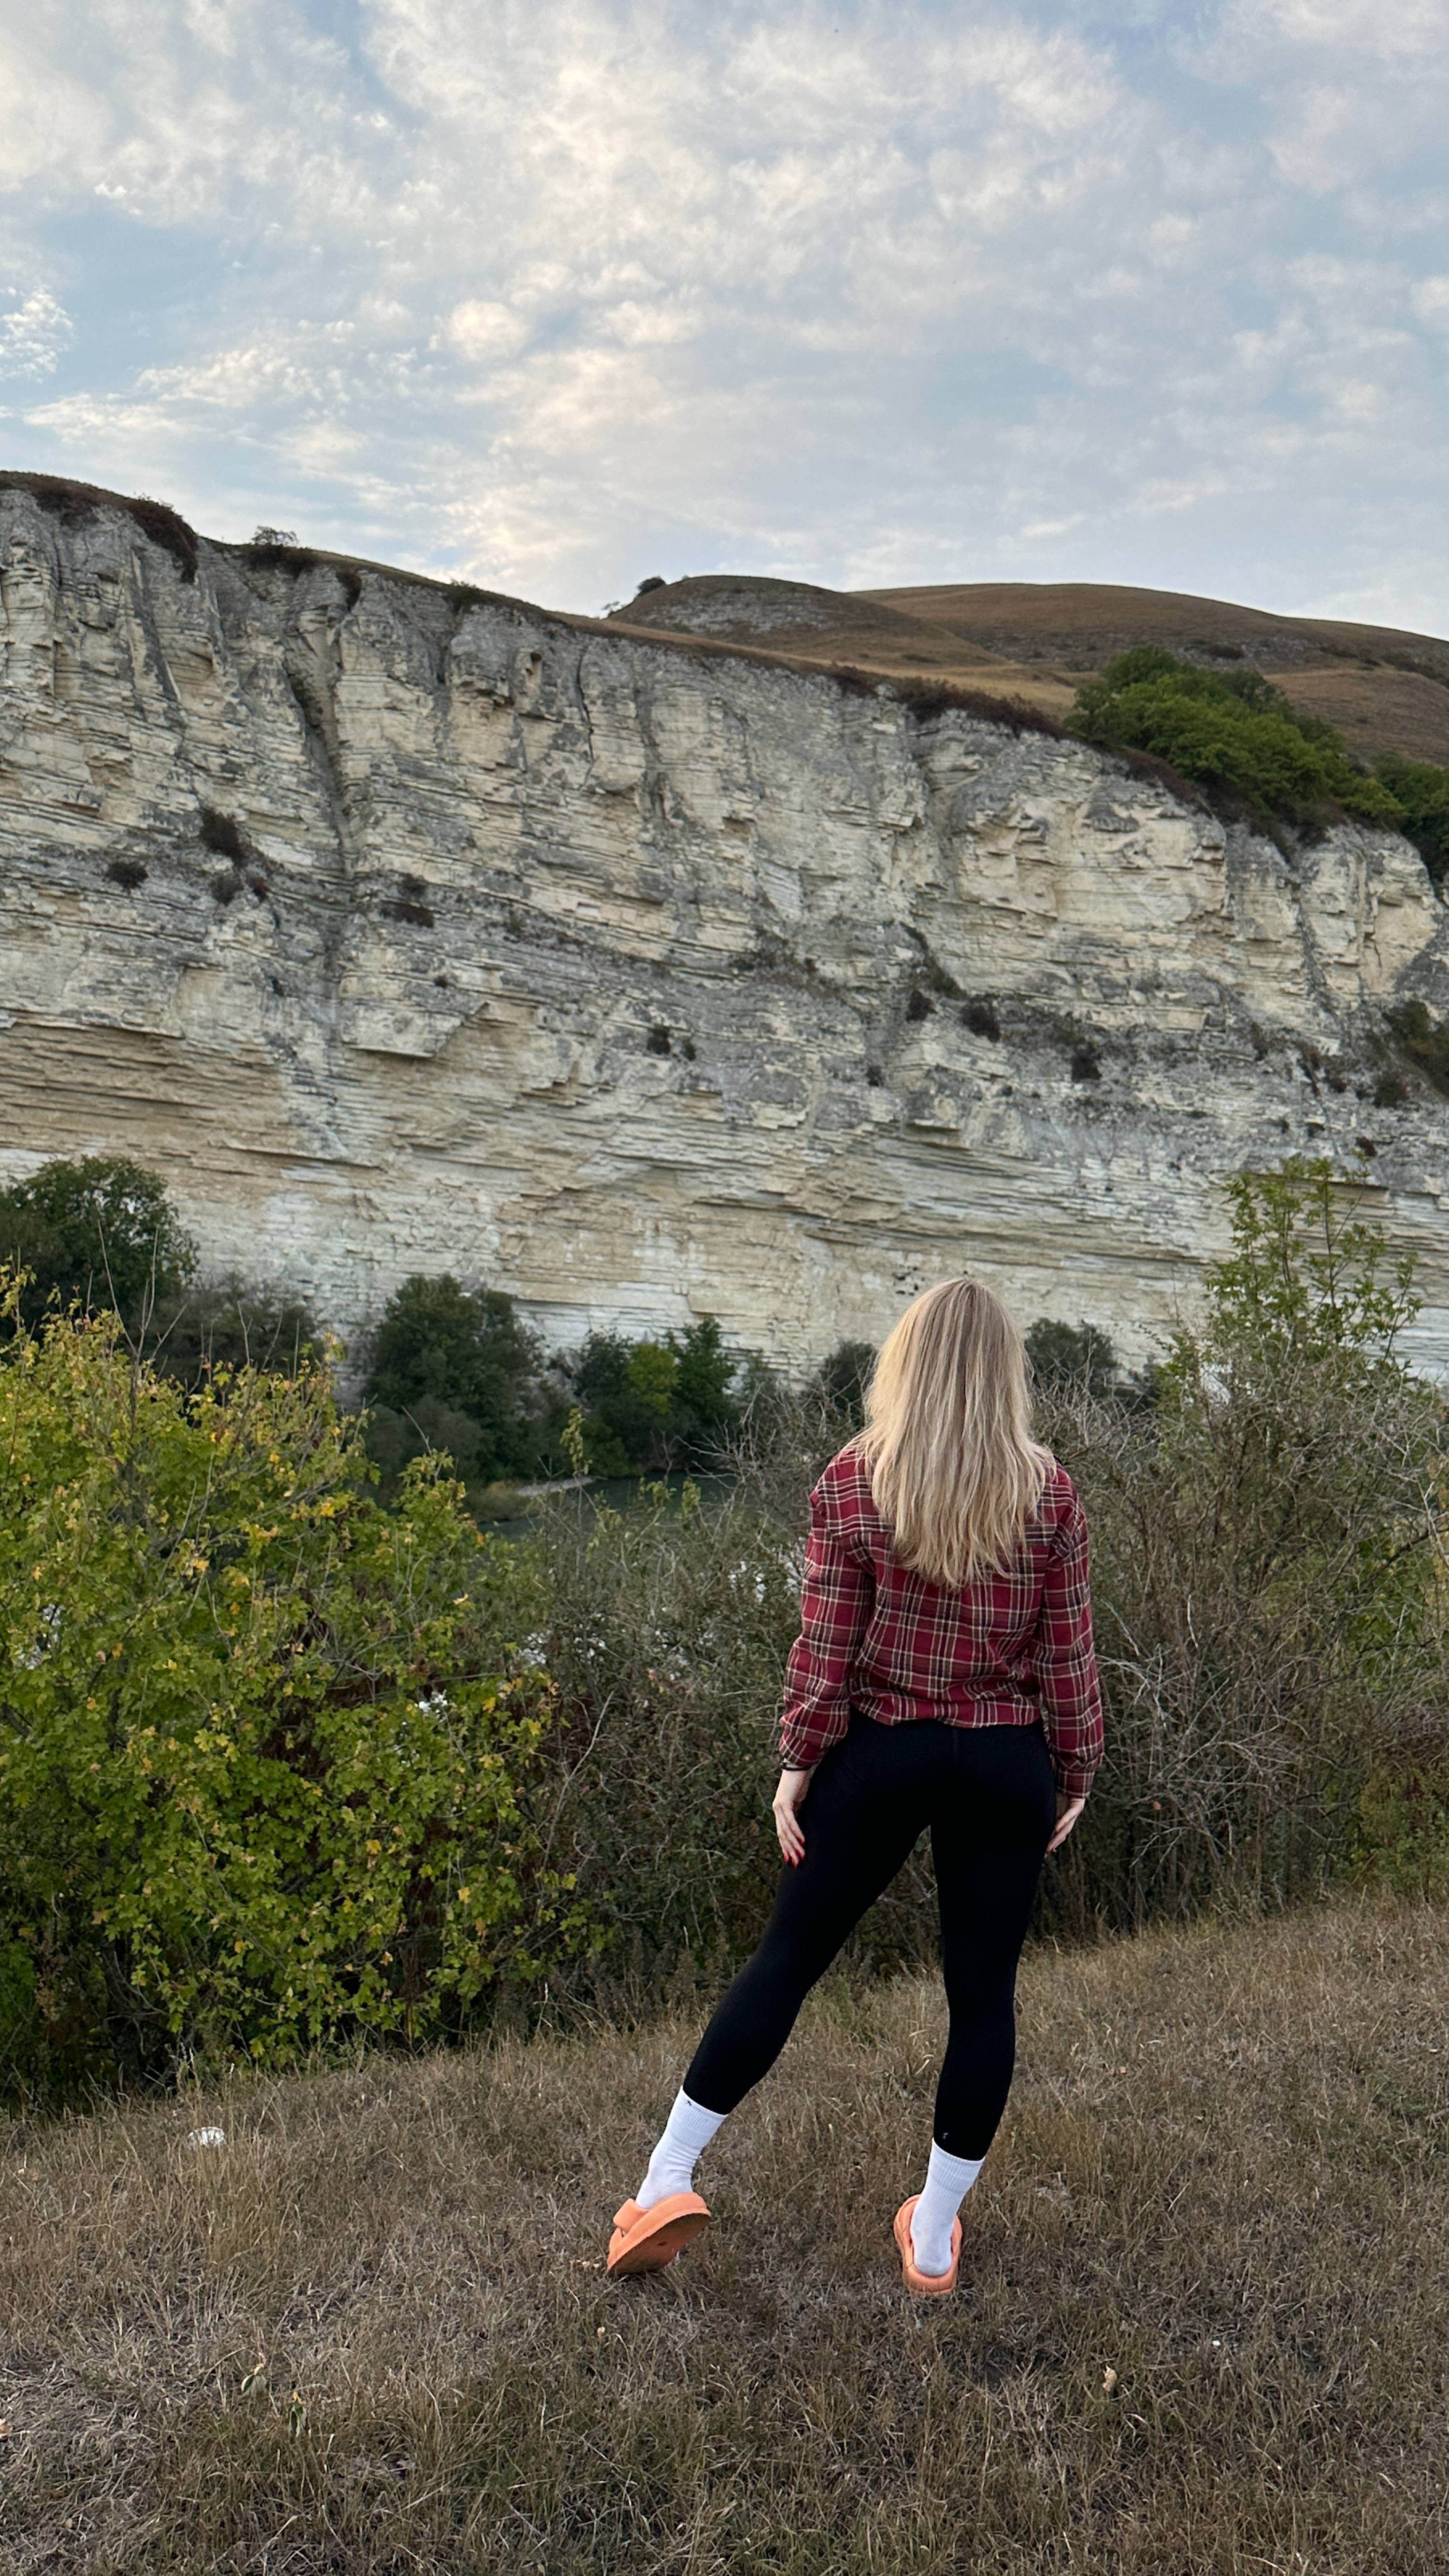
[(788, 1800), (1068, 1810)]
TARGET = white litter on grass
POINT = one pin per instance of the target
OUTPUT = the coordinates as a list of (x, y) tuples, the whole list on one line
[(207, 2138)]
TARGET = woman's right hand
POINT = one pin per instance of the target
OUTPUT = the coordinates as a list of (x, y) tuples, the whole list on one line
[(1068, 1810)]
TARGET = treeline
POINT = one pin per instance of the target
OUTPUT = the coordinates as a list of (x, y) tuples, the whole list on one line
[(457, 1370), (448, 1370)]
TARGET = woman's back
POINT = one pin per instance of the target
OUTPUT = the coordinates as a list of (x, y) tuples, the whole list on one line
[(1010, 1647)]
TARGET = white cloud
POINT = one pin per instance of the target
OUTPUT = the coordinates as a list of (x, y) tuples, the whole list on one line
[(33, 334), (1430, 300), (562, 291)]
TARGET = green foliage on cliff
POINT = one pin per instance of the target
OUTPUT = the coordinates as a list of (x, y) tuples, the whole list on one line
[(1421, 791), (1231, 732), (263, 1768), (1423, 1042)]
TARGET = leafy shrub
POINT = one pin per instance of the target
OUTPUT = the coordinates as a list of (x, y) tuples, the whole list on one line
[(224, 834), (1421, 791), (261, 1778), (127, 873), (1233, 733), (102, 1231), (664, 1631), (1268, 1547), (457, 1371)]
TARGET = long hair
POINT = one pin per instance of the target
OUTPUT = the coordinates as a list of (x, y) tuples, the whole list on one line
[(954, 1470)]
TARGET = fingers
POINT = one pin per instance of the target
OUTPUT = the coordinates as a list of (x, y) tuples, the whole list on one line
[(1065, 1821), (792, 1841)]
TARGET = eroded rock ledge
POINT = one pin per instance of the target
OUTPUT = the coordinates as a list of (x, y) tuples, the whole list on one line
[(640, 982)]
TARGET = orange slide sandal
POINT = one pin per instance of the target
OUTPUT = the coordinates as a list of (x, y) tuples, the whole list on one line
[(924, 2285), (644, 2240)]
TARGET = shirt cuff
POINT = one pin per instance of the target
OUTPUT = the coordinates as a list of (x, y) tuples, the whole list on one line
[(1074, 1779)]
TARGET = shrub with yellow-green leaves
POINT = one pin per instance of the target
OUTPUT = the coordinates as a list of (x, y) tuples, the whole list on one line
[(263, 1787)]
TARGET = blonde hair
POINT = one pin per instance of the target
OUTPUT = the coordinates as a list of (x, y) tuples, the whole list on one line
[(954, 1470)]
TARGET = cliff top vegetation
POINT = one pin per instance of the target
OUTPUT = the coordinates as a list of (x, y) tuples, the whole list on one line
[(1236, 735)]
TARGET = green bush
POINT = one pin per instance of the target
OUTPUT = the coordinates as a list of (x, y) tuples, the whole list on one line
[(1420, 789), (1268, 1547), (264, 1760), (101, 1232), (1233, 733), (843, 1378), (664, 1629), (649, 1406), (456, 1370)]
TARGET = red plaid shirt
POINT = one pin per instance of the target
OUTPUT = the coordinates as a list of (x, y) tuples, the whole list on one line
[(1004, 1650)]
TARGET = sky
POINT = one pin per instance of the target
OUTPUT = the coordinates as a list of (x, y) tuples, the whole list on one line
[(557, 294)]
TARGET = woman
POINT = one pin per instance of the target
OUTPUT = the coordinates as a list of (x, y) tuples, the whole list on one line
[(943, 1676)]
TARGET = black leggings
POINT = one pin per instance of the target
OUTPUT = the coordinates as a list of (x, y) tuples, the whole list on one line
[(988, 1796)]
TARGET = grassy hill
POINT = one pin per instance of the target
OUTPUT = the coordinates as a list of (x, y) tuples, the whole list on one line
[(1385, 690), (1204, 2327)]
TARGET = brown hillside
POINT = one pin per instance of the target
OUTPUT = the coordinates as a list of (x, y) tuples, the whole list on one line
[(1037, 641)]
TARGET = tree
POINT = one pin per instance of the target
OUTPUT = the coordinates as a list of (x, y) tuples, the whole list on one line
[(101, 1232), (441, 1350), (655, 1405), (1268, 1546), (844, 1378), (703, 1377), (1071, 1355)]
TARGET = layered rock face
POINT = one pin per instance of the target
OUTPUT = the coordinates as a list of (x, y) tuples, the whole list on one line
[(645, 982)]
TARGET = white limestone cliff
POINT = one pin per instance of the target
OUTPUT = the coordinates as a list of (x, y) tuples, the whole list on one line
[(501, 859)]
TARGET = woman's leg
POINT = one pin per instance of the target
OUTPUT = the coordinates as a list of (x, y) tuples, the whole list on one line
[(988, 1837), (988, 1840), (866, 1807)]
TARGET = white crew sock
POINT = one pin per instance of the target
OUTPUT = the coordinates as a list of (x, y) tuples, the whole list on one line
[(687, 2133), (948, 2180)]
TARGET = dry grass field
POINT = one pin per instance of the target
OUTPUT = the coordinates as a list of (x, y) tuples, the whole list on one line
[(1387, 690), (1204, 2322)]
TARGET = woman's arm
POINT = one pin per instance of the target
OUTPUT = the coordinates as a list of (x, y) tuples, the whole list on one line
[(1065, 1663), (836, 1600)]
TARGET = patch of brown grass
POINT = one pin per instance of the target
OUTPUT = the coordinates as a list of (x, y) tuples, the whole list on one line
[(1203, 2326)]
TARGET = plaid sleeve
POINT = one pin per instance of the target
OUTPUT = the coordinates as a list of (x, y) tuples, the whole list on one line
[(836, 1601), (1065, 1662)]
